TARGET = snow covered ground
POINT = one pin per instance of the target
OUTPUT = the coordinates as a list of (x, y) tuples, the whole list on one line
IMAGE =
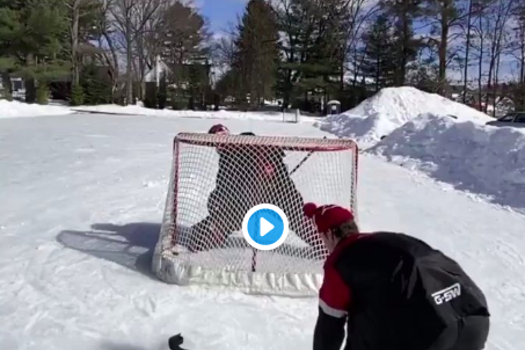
[(477, 158), (140, 110), (389, 109), (82, 201), (17, 109)]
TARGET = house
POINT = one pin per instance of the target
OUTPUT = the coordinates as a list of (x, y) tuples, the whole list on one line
[(157, 71)]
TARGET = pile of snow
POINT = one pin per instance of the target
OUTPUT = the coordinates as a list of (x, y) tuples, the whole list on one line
[(390, 108), (140, 110), (476, 158), (15, 109)]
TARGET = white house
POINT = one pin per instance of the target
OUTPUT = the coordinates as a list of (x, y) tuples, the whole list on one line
[(156, 72)]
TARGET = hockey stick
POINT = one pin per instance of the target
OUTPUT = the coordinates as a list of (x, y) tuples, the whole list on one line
[(300, 164), (303, 160), (175, 342)]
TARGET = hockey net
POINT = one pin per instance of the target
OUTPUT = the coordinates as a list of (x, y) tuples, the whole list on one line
[(216, 179)]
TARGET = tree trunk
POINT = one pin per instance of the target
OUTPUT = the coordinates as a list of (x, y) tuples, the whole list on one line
[(74, 43), (495, 87), (521, 86), (442, 51), (492, 63), (30, 84), (378, 74), (6, 83), (480, 67), (404, 53), (467, 49), (129, 58)]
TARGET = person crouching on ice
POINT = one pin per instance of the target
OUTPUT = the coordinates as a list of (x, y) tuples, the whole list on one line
[(249, 175), (392, 291)]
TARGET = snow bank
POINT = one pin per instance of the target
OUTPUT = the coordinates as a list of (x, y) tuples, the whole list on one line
[(483, 159), (390, 108), (139, 110), (15, 109)]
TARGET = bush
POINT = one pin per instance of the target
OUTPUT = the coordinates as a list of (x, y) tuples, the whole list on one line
[(96, 85), (177, 103), (42, 94), (77, 96), (7, 95)]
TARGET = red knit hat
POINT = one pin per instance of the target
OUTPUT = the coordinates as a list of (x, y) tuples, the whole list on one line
[(327, 217), (218, 128)]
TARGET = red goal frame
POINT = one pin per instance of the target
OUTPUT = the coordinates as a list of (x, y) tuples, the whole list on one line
[(286, 143), (174, 263)]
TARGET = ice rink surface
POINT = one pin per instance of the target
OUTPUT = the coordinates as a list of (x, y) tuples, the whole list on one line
[(82, 198)]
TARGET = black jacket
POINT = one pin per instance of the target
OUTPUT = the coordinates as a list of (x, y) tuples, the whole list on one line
[(393, 292), (244, 167)]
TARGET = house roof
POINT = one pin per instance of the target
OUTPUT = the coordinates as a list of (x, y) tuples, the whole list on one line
[(151, 75)]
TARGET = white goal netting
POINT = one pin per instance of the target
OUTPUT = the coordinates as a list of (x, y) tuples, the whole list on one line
[(217, 179)]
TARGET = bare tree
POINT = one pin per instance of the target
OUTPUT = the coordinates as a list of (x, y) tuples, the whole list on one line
[(130, 17), (79, 30), (467, 49), (474, 37), (224, 53), (518, 52), (445, 17), (479, 40), (74, 7), (497, 20), (149, 43), (109, 55), (361, 11)]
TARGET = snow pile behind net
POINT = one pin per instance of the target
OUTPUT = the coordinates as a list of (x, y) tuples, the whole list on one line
[(217, 179), (481, 159), (390, 108)]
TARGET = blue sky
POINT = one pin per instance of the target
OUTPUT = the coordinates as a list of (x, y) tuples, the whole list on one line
[(220, 12)]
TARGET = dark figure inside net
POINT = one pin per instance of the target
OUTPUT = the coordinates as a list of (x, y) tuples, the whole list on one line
[(249, 175)]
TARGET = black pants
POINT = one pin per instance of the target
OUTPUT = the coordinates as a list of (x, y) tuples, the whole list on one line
[(469, 333)]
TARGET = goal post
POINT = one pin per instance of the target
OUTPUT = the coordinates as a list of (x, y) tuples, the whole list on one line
[(216, 179)]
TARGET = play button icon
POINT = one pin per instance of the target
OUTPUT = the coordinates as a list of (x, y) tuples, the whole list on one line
[(265, 227)]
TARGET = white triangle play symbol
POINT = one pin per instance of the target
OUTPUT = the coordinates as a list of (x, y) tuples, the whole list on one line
[(265, 226)]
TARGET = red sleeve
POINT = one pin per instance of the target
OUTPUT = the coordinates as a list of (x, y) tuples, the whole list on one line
[(334, 295)]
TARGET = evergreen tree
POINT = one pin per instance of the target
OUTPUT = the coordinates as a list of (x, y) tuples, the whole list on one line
[(33, 33), (316, 33), (379, 47), (257, 52), (403, 13), (96, 85)]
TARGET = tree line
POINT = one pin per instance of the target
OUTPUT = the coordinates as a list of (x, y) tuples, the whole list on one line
[(300, 52)]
